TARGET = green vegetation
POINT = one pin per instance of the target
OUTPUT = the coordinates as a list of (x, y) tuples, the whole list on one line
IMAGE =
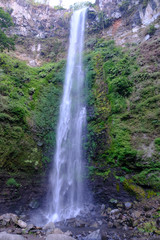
[(148, 227), (29, 100), (151, 30), (108, 71), (58, 7), (80, 5), (134, 189), (5, 22), (157, 144), (38, 2), (12, 182), (123, 114)]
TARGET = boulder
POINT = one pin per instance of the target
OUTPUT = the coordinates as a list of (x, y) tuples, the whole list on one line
[(80, 223), (136, 214), (94, 225), (49, 226), (59, 237), (29, 227), (114, 212), (57, 231), (6, 236), (127, 205), (9, 217), (96, 235), (54, 231), (68, 233), (18, 231), (110, 224), (21, 224)]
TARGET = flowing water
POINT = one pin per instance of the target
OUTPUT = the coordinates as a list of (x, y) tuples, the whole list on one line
[(68, 168)]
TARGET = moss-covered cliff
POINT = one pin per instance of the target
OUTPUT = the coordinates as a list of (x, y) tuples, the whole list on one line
[(29, 108), (123, 111)]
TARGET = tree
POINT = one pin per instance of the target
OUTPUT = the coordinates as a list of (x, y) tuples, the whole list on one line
[(5, 22)]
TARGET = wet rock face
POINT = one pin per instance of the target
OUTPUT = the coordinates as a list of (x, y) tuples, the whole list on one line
[(21, 199), (42, 31), (37, 21), (147, 12)]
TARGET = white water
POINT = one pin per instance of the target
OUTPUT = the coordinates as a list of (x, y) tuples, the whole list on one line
[(67, 174)]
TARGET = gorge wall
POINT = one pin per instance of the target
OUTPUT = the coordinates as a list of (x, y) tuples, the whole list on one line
[(123, 97), (43, 31)]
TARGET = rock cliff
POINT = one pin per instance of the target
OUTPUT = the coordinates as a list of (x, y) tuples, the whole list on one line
[(127, 21), (43, 31)]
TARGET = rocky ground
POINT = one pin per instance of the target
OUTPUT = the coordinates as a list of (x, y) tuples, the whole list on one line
[(121, 221), (113, 215)]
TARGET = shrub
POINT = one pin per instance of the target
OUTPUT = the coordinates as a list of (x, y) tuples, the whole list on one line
[(12, 182), (157, 141), (59, 8), (121, 85), (151, 30), (149, 177)]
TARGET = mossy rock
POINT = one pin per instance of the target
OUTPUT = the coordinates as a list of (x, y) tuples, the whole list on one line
[(29, 104), (134, 189)]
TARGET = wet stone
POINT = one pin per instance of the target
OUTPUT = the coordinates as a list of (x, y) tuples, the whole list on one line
[(114, 211), (127, 205), (103, 207), (110, 224), (136, 214), (7, 236), (18, 231), (21, 224), (48, 226), (94, 225), (59, 237), (80, 223), (94, 235)]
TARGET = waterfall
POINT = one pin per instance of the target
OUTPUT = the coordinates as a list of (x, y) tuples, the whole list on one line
[(67, 173)]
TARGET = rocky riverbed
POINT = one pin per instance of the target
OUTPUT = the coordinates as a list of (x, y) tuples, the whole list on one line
[(121, 221)]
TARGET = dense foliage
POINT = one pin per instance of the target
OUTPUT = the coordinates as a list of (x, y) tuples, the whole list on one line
[(5, 22), (123, 115), (29, 100)]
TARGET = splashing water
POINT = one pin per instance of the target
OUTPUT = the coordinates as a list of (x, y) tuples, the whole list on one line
[(67, 173)]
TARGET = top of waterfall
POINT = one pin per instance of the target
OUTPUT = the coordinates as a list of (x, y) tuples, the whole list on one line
[(68, 3), (81, 9), (64, 3)]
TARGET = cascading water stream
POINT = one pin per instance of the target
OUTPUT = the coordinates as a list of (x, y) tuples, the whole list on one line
[(67, 174)]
